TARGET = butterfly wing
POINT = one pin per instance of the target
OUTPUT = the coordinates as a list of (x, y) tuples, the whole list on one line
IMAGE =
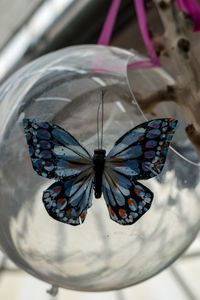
[(55, 153), (127, 200), (139, 154), (67, 201)]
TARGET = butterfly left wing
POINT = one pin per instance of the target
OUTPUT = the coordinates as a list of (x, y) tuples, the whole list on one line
[(138, 154)]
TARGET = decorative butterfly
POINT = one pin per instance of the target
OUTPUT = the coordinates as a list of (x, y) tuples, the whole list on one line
[(139, 154)]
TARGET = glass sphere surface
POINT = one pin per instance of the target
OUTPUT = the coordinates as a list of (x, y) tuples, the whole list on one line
[(65, 87)]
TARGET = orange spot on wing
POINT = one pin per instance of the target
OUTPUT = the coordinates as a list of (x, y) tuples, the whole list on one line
[(140, 138), (82, 215), (61, 201), (57, 191), (155, 166), (163, 147), (111, 212), (171, 120), (131, 202), (122, 212), (41, 167), (137, 191), (68, 212)]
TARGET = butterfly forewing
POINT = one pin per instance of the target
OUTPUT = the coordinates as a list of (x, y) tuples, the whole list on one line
[(54, 152), (141, 152)]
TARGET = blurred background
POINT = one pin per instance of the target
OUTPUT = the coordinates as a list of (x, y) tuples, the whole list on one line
[(29, 29)]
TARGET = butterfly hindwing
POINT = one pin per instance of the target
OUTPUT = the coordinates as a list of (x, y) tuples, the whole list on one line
[(141, 152), (67, 201), (54, 152), (127, 200)]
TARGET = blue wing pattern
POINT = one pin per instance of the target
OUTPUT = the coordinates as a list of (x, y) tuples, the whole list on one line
[(138, 154), (141, 152), (67, 201), (127, 201), (54, 152)]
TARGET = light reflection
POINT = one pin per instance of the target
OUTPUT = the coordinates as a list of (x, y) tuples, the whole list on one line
[(121, 106), (43, 19), (53, 99), (99, 81)]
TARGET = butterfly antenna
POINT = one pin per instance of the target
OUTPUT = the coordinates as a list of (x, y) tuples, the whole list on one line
[(98, 125), (100, 143), (102, 115)]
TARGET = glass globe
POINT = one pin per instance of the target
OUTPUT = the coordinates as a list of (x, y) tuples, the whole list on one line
[(65, 87)]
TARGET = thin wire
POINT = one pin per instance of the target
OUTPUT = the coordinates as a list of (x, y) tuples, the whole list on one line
[(102, 115), (98, 125)]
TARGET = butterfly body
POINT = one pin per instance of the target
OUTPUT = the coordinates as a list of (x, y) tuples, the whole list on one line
[(98, 161), (139, 154)]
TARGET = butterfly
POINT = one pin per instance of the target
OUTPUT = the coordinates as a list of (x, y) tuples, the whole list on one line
[(139, 154)]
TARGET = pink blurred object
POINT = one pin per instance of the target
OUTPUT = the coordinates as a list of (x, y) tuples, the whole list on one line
[(188, 6), (141, 15), (142, 64), (192, 8), (108, 26)]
